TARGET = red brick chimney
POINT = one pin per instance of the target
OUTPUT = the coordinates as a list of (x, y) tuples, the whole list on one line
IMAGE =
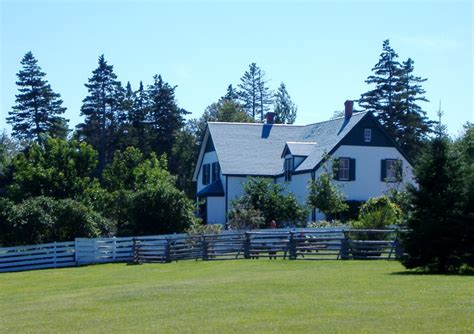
[(270, 116), (348, 108)]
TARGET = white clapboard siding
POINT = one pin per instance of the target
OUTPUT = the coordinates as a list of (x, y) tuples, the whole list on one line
[(51, 255)]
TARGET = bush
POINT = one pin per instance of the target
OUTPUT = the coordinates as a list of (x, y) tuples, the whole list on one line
[(377, 213), (352, 212), (242, 218), (44, 219), (158, 210), (198, 228), (326, 223)]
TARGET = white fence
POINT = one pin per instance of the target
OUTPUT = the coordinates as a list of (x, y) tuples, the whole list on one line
[(52, 255)]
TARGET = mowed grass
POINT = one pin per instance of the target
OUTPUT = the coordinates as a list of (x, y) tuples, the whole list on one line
[(246, 296)]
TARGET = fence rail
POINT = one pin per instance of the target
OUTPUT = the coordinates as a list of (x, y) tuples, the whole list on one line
[(295, 244)]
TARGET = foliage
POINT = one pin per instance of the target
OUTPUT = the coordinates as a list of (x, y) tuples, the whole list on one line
[(326, 223), (254, 95), (351, 213), (268, 198), (377, 213), (244, 218), (157, 210), (394, 100), (57, 168), (441, 229), (198, 228), (284, 108), (36, 114), (45, 219), (325, 196)]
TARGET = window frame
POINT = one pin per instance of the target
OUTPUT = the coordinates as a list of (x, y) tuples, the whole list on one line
[(288, 168), (367, 135), (392, 166), (344, 169), (206, 174)]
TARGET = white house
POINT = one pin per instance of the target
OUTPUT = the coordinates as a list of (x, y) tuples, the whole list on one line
[(370, 161)]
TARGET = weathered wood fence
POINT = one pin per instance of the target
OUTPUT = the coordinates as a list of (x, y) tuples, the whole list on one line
[(296, 244)]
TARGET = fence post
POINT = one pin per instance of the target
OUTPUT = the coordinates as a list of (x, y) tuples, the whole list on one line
[(168, 251), (398, 249), (345, 248), (292, 246), (135, 251), (114, 249), (54, 254), (205, 253), (247, 245)]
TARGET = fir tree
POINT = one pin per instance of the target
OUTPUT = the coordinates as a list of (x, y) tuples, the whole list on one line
[(285, 109), (137, 118), (231, 94), (37, 109), (100, 110)]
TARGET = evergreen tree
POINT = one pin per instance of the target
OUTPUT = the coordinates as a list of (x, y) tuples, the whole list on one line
[(284, 108), (138, 117), (231, 94), (414, 125), (101, 111), (164, 115), (254, 94), (37, 109), (394, 100)]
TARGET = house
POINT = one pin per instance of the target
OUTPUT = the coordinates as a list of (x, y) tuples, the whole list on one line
[(369, 160)]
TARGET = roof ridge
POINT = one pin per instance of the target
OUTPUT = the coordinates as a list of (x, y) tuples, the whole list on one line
[(338, 118), (243, 123)]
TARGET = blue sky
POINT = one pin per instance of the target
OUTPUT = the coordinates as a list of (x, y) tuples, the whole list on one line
[(323, 51)]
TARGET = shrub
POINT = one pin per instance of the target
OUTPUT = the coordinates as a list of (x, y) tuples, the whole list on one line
[(198, 228), (325, 224), (243, 218), (377, 213)]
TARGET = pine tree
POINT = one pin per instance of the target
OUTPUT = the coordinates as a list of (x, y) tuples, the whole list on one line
[(101, 111), (231, 94), (254, 94), (284, 108), (137, 118), (36, 113)]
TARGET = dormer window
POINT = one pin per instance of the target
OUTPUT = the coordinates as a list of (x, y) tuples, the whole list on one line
[(288, 168), (367, 135)]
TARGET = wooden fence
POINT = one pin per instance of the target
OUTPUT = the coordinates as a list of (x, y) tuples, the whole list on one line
[(52, 255), (295, 244)]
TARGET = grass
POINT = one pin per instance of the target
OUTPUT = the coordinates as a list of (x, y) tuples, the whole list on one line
[(236, 297)]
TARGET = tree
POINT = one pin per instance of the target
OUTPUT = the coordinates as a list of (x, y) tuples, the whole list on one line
[(268, 198), (231, 94), (101, 111), (325, 196), (284, 108), (57, 168), (394, 100), (254, 94), (440, 228), (36, 114), (164, 115), (138, 117), (230, 111)]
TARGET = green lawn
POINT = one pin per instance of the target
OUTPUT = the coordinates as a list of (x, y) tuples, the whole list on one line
[(236, 297)]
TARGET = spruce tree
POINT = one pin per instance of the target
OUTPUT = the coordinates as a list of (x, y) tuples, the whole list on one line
[(254, 94), (100, 110), (138, 117), (164, 115), (37, 111), (284, 108), (231, 94), (394, 100)]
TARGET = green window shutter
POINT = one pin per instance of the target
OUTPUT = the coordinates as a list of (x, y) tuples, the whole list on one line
[(352, 169), (400, 170), (383, 170), (335, 169)]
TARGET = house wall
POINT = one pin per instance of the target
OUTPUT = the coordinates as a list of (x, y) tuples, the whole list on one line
[(209, 157), (234, 189), (216, 210), (368, 181)]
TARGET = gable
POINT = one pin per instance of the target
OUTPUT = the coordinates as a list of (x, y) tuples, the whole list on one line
[(356, 136)]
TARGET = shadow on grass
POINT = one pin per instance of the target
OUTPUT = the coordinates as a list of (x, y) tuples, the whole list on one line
[(429, 273)]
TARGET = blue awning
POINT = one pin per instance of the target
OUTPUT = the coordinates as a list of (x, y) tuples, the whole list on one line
[(215, 189)]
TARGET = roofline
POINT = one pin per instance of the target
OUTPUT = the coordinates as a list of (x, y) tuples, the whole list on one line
[(201, 154)]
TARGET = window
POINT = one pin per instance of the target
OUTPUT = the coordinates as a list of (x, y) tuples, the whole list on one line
[(343, 170), (367, 135), (206, 174), (216, 171), (288, 168), (391, 170)]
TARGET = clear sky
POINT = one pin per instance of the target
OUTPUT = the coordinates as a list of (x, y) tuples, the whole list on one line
[(323, 51)]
